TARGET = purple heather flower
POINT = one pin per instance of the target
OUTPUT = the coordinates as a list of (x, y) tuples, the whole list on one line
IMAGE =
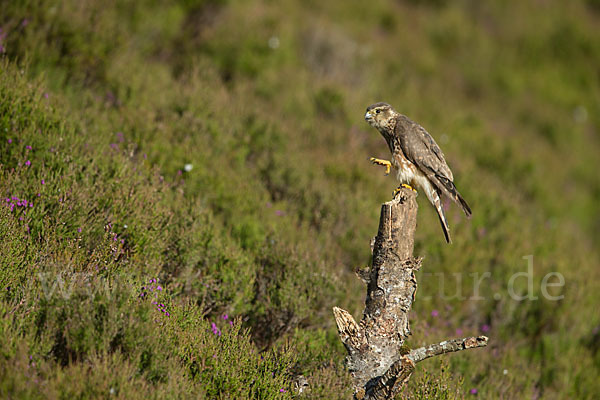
[(215, 330), (279, 213), (28, 163), (167, 314), (43, 182), (473, 391), (282, 390), (46, 95), (485, 328), (28, 147), (79, 230), (159, 287), (225, 316), (9, 141), (459, 332), (435, 313)]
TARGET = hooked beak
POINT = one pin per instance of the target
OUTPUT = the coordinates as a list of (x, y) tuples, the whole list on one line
[(368, 115)]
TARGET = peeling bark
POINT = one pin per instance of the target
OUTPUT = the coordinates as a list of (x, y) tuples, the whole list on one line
[(377, 358)]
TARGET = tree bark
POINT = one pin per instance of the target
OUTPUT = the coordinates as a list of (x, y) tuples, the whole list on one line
[(377, 358)]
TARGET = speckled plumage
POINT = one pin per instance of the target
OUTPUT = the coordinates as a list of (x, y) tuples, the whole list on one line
[(417, 158)]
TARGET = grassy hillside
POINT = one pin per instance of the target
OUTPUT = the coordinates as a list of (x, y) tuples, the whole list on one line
[(186, 193)]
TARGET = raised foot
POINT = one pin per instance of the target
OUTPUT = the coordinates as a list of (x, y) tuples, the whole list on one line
[(385, 163), (404, 185)]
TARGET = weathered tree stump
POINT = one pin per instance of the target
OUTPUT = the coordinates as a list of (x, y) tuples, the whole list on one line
[(377, 358)]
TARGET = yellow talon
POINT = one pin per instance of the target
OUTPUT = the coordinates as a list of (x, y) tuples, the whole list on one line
[(409, 187), (385, 163), (404, 185)]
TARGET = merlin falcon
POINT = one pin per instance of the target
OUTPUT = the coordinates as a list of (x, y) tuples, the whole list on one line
[(417, 158)]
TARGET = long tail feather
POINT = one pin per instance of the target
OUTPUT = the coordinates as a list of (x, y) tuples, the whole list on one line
[(464, 204), (437, 203), (452, 192)]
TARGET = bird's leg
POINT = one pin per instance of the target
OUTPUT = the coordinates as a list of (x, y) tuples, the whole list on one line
[(385, 163), (404, 185)]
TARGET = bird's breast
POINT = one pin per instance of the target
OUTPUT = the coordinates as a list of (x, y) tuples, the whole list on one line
[(407, 171)]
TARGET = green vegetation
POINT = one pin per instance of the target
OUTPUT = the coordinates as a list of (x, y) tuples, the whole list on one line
[(186, 192)]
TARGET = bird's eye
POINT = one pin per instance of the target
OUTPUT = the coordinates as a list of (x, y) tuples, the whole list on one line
[(377, 111)]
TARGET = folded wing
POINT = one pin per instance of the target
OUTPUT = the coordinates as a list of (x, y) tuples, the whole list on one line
[(420, 148)]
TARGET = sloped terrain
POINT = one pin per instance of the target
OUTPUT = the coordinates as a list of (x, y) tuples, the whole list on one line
[(187, 191)]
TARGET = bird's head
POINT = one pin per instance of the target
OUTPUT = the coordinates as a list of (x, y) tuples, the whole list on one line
[(379, 115)]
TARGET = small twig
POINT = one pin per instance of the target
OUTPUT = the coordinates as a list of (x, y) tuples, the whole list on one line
[(399, 372), (447, 346)]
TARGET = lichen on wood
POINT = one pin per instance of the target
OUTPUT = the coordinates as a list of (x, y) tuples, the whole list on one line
[(378, 360)]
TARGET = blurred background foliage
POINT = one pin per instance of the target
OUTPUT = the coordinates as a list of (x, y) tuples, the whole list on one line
[(217, 149)]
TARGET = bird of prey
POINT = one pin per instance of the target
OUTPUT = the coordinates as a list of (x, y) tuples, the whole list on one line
[(416, 157)]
